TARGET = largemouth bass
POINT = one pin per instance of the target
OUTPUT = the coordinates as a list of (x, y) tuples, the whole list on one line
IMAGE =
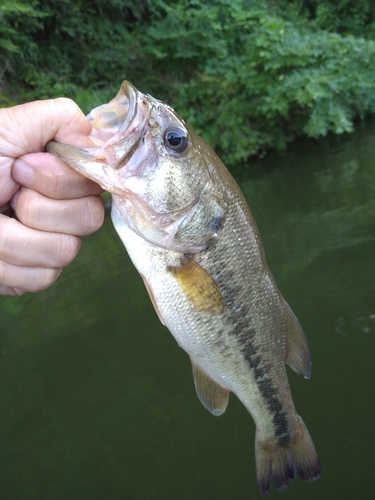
[(192, 237)]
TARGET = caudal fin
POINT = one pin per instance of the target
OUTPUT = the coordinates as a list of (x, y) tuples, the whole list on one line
[(279, 459)]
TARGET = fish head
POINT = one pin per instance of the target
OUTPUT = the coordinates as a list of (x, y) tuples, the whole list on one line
[(158, 170)]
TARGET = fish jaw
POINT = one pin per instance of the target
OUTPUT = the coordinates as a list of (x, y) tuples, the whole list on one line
[(129, 127), (108, 118), (119, 124), (90, 163), (117, 129)]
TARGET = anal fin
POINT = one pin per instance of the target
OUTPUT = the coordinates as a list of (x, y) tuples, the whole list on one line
[(212, 396), (297, 354)]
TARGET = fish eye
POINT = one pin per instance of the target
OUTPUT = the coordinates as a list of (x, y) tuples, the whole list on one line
[(175, 138)]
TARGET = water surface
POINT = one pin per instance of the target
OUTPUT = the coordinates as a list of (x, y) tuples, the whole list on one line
[(98, 401)]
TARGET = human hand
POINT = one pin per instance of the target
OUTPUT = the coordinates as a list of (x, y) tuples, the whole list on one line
[(53, 204)]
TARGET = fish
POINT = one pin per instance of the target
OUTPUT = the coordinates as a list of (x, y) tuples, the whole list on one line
[(192, 237)]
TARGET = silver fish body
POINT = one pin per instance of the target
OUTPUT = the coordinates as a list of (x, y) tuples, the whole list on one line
[(191, 235)]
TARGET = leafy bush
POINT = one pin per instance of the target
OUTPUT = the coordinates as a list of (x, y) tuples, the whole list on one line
[(248, 75)]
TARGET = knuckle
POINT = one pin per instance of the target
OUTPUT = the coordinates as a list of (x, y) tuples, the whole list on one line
[(25, 207), (45, 278), (66, 248), (71, 113), (67, 104), (7, 240), (5, 278), (58, 186), (92, 214), (17, 280)]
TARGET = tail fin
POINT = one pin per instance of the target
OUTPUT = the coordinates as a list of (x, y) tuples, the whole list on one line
[(279, 460)]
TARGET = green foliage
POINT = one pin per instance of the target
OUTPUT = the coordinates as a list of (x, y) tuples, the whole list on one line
[(247, 75), (347, 17)]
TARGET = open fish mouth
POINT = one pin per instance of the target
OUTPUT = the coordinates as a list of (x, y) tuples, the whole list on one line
[(117, 129), (118, 125)]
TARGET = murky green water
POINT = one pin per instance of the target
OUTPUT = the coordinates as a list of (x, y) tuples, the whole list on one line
[(98, 402)]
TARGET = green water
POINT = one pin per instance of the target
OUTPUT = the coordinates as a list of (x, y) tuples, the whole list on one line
[(98, 402)]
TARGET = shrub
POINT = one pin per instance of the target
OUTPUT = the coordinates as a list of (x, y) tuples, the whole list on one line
[(247, 75)]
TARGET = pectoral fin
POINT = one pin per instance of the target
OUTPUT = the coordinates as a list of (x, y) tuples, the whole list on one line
[(297, 354), (212, 396), (198, 286)]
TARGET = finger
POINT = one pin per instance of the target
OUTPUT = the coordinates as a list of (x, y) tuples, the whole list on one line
[(50, 176), (16, 280), (10, 290), (8, 185), (22, 246), (80, 216), (40, 121)]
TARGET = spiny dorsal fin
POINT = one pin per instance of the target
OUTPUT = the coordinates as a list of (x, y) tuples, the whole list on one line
[(198, 286), (297, 350), (212, 396)]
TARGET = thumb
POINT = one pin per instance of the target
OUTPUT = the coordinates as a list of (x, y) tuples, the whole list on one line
[(28, 127)]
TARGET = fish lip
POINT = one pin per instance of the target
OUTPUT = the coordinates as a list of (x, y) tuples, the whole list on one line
[(132, 95), (128, 127), (120, 147)]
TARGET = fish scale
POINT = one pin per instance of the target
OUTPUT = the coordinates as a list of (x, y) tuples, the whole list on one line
[(191, 235)]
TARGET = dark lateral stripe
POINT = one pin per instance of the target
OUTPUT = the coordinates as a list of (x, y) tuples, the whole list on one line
[(268, 391), (275, 407)]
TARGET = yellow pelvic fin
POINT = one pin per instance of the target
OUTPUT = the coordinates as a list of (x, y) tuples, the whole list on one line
[(297, 350), (198, 286), (212, 396)]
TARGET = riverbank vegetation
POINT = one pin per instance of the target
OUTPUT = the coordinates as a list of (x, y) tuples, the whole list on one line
[(248, 75)]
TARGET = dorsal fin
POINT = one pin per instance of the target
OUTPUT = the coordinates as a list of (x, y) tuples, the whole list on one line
[(212, 396), (297, 350), (198, 286)]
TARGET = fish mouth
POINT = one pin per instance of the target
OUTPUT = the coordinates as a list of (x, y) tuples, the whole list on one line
[(117, 128), (118, 125)]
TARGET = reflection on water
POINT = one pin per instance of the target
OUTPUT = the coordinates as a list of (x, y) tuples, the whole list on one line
[(97, 400)]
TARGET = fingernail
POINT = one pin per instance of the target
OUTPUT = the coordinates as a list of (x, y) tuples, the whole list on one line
[(22, 172), (13, 201)]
